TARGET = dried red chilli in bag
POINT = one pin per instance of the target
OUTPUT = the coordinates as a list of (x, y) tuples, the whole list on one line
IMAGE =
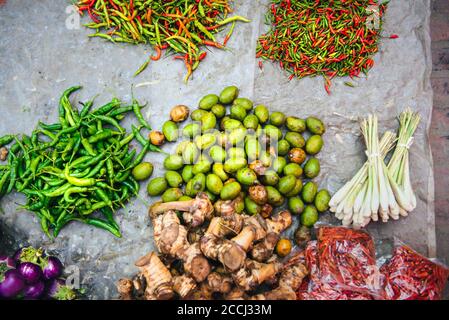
[(322, 37), (410, 276)]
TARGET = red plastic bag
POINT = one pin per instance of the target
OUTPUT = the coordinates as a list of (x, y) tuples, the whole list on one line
[(411, 276)]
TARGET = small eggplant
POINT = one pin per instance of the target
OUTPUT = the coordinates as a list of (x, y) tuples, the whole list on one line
[(53, 268), (34, 291), (58, 290), (11, 284), (30, 272)]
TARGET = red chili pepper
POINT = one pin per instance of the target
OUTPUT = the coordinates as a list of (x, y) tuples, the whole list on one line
[(158, 54), (394, 36), (260, 65)]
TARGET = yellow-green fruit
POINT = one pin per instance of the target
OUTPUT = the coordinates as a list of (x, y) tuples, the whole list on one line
[(278, 164), (185, 198), (170, 130), (315, 125), (239, 203), (262, 113), (238, 112), (142, 171), (212, 197), (218, 154), (296, 205), (286, 184), (295, 124), (322, 200), (246, 176), (309, 216), (270, 178), (208, 122), (207, 102), (252, 148), (251, 122), (201, 166), (214, 183), (157, 186), (171, 194), (196, 185), (295, 139), (222, 122), (187, 173), (191, 130), (312, 168), (283, 147), (274, 133), (244, 102), (218, 169), (219, 111), (275, 198), (251, 207), (222, 139), (314, 144), (190, 153), (309, 192), (231, 124), (197, 114), (233, 164), (283, 247), (237, 135), (229, 94), (235, 152), (277, 119), (296, 189), (174, 179), (205, 141), (181, 146), (230, 191), (266, 159), (294, 169), (173, 162)]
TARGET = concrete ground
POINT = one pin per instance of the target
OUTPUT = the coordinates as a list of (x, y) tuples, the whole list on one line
[(439, 131)]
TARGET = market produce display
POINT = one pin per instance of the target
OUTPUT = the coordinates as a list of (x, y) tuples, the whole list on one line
[(31, 274), (80, 165), (328, 38), (377, 190), (183, 27), (223, 224)]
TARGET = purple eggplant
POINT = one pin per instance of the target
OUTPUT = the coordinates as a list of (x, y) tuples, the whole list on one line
[(53, 268), (30, 272), (58, 290), (16, 256), (11, 284), (7, 262), (34, 291)]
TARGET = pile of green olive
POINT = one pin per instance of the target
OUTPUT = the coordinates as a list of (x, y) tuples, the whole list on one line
[(232, 145)]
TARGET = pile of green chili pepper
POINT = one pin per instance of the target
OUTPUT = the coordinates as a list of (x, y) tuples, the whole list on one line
[(182, 26), (78, 166), (322, 37)]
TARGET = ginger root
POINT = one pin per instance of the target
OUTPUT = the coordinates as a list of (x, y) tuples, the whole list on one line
[(125, 289), (184, 286), (255, 273)]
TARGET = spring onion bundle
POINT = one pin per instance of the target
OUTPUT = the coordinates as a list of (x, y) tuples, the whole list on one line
[(377, 190)]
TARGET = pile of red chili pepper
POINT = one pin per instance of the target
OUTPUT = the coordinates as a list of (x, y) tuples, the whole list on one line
[(182, 26), (322, 37)]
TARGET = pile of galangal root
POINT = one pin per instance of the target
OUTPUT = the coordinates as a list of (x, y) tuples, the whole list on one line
[(218, 254)]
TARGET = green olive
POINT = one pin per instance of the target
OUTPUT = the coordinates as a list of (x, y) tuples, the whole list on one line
[(315, 125), (251, 207), (142, 171), (237, 135), (262, 113), (212, 197), (157, 186), (296, 205), (295, 139), (251, 122), (174, 179), (233, 164), (266, 159), (278, 164), (219, 111), (230, 191), (295, 124), (231, 124), (309, 216), (218, 169), (270, 178), (238, 112), (214, 183), (286, 184), (277, 119), (170, 130), (208, 122), (191, 130), (197, 114), (173, 162), (322, 200), (181, 146), (207, 102), (218, 154), (312, 168), (252, 148), (246, 176), (283, 147), (235, 152), (294, 169), (274, 196), (314, 144), (273, 132), (171, 194), (309, 192), (244, 102), (185, 198), (296, 189), (205, 141), (229, 94), (187, 173), (196, 184), (190, 153), (203, 165), (222, 139)]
